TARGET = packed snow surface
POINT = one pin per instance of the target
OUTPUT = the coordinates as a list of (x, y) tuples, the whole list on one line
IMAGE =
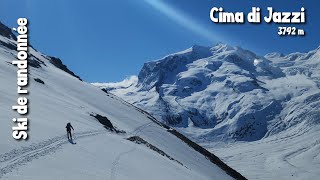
[(56, 97)]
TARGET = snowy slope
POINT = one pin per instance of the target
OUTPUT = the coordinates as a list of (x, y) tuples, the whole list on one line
[(58, 96), (287, 155), (235, 102)]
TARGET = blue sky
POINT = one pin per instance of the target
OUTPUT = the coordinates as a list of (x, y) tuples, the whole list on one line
[(108, 40)]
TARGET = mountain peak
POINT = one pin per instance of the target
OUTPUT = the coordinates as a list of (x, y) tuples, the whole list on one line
[(198, 47), (274, 55), (195, 49), (221, 47)]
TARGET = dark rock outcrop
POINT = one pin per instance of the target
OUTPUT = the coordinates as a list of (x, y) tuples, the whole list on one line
[(6, 32), (39, 80), (58, 63), (106, 123)]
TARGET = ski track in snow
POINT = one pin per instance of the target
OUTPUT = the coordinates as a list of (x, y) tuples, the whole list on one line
[(21, 156), (278, 158), (18, 157), (289, 156), (115, 163)]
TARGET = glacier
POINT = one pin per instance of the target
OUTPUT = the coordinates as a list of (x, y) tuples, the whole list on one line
[(259, 113)]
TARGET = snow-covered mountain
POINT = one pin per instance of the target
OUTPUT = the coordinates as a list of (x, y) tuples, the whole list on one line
[(114, 139), (224, 97)]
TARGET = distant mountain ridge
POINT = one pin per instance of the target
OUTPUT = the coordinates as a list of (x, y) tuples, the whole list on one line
[(232, 92)]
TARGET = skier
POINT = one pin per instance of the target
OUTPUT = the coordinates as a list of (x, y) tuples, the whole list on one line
[(69, 127)]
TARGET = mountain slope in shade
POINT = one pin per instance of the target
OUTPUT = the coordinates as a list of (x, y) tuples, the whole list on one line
[(113, 139)]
